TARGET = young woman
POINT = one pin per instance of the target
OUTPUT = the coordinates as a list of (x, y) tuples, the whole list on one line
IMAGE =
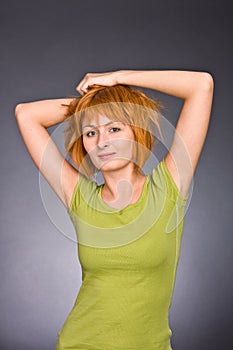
[(128, 259)]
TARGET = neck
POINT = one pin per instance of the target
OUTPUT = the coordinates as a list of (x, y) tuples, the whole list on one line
[(122, 186)]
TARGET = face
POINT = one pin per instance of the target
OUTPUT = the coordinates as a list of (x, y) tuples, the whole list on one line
[(109, 143)]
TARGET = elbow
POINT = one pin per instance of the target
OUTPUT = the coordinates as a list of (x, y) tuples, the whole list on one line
[(207, 82), (18, 109)]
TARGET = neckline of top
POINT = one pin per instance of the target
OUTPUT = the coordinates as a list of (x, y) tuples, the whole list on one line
[(127, 207)]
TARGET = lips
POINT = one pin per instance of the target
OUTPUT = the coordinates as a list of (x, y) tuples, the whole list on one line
[(106, 155)]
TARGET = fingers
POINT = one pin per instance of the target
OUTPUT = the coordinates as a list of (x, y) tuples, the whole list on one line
[(85, 83), (90, 79), (81, 88)]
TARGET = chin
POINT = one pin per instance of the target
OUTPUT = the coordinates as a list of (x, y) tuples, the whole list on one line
[(114, 165)]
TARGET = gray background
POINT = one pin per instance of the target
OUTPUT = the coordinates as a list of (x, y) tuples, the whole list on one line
[(46, 48)]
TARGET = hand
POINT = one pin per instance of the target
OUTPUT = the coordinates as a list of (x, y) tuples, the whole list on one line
[(90, 79)]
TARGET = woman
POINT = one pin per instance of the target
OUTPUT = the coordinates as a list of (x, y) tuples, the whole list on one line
[(128, 260)]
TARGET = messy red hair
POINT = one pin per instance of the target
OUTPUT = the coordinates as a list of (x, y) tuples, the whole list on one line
[(118, 102)]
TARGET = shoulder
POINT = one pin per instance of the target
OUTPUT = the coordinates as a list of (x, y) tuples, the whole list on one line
[(163, 178), (82, 189), (173, 173)]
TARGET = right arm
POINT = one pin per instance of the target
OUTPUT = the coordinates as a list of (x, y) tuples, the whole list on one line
[(33, 118)]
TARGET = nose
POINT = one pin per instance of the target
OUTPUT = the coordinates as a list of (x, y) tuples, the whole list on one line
[(103, 140)]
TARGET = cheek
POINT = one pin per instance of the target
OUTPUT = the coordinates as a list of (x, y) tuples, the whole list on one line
[(88, 144), (85, 144), (125, 147), (130, 133)]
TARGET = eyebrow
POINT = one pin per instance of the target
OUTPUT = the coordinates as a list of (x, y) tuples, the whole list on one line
[(94, 126)]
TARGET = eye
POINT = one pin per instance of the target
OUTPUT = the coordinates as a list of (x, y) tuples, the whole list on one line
[(90, 133), (115, 129)]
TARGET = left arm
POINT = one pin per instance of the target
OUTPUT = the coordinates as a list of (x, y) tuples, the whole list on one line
[(196, 89)]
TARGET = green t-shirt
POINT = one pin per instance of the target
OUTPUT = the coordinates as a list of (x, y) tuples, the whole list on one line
[(129, 259)]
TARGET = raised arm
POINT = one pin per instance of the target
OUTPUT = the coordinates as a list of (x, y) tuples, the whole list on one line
[(33, 118), (196, 89)]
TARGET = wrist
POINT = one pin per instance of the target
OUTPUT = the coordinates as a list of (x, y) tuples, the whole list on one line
[(120, 76)]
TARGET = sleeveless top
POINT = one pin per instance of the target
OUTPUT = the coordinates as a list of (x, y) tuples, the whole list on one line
[(129, 259)]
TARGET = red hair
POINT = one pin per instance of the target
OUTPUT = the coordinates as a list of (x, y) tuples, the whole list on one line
[(118, 102)]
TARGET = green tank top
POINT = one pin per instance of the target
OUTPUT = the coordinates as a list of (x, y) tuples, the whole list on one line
[(129, 259)]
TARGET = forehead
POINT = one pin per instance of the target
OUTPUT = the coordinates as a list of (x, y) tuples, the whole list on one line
[(102, 114), (98, 120)]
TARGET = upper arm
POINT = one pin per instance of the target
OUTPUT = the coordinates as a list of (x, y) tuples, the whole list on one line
[(59, 173), (190, 134)]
